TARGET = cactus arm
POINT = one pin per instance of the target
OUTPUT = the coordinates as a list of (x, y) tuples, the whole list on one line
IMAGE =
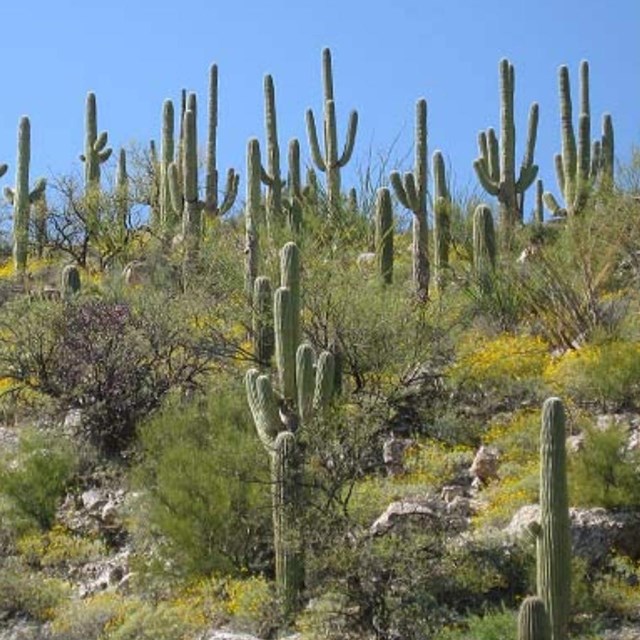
[(569, 151), (312, 133), (9, 195), (324, 381), (290, 278), (262, 321), (484, 177), (230, 192), (174, 187), (607, 146), (305, 382), (3, 169), (552, 204), (399, 190), (285, 348), (327, 74), (167, 209), (484, 242), (494, 155), (263, 407), (349, 144)]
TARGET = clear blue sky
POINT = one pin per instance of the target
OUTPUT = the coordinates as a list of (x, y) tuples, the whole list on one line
[(134, 54)]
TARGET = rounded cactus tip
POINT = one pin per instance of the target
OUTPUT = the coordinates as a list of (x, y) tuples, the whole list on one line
[(3, 169)]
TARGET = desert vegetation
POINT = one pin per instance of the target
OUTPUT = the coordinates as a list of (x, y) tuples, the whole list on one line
[(277, 403)]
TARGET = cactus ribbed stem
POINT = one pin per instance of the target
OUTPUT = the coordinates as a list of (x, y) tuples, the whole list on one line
[(294, 183), (271, 174), (441, 219), (95, 146), (69, 282), (168, 214), (122, 191), (252, 215), (484, 243), (554, 538), (262, 331)]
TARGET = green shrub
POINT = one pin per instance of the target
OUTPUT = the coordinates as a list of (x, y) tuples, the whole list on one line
[(607, 374), (493, 625), (605, 473), (33, 483), (205, 482)]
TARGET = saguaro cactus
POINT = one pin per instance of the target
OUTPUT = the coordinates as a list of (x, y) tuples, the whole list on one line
[(21, 198), (262, 330), (554, 538), (302, 394), (191, 206), (270, 175), (122, 191), (168, 216), (252, 211), (96, 151), (412, 193), (538, 211), (496, 167), (484, 243), (533, 621), (441, 219), (329, 162), (212, 206), (294, 188), (384, 235), (69, 282), (580, 165)]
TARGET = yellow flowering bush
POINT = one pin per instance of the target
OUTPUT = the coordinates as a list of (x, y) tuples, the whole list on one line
[(492, 362)]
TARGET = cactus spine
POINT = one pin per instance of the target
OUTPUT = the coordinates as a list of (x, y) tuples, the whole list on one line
[(251, 216), (441, 220), (271, 175), (412, 193), (329, 162), (554, 538), (69, 282), (303, 394), (484, 244), (496, 167), (21, 198), (384, 235), (96, 151), (581, 162), (211, 205), (533, 621)]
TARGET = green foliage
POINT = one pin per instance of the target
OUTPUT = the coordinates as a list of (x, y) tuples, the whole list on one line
[(605, 472), (492, 625), (205, 485), (607, 373), (33, 483)]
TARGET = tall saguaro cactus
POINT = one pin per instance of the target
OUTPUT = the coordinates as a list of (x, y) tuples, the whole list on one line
[(270, 175), (581, 162), (96, 151), (330, 162), (441, 219), (252, 210), (554, 538), (212, 206), (411, 190), (305, 388), (22, 198), (122, 191), (294, 187), (168, 215), (496, 166), (191, 205)]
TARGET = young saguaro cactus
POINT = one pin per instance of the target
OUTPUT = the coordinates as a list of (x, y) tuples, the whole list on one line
[(270, 175), (96, 151), (294, 187), (553, 531), (122, 191), (411, 190), (212, 206), (581, 163), (533, 621), (441, 219), (70, 283), (329, 162), (168, 216), (22, 198), (496, 166), (384, 235), (484, 243), (304, 389)]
